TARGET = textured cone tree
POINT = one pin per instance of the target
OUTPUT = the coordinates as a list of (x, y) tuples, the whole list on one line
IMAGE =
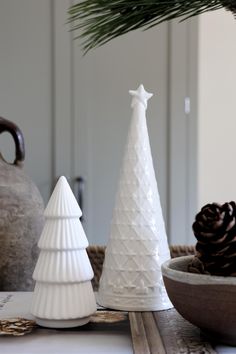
[(63, 294), (131, 277)]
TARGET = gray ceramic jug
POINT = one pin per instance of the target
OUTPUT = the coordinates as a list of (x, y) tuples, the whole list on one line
[(21, 218)]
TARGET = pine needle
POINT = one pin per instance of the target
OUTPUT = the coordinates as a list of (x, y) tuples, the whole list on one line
[(103, 20)]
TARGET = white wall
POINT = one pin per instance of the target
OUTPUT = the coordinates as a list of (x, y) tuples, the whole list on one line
[(25, 83), (42, 90), (217, 108)]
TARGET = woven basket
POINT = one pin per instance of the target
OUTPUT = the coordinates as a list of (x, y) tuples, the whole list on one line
[(96, 255)]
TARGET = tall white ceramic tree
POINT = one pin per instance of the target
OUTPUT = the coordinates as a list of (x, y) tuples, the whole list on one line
[(131, 277), (63, 294)]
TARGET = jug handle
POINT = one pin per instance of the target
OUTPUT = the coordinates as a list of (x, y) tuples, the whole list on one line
[(7, 126)]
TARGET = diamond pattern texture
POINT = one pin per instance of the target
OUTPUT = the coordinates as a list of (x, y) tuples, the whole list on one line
[(131, 277)]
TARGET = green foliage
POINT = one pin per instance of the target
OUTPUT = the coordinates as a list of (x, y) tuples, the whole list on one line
[(103, 20)]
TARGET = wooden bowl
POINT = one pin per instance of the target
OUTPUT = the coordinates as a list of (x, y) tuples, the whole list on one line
[(207, 301)]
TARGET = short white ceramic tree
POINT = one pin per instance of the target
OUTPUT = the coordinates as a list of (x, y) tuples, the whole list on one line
[(63, 294), (131, 277)]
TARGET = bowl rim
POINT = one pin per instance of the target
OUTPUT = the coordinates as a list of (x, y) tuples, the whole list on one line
[(192, 278)]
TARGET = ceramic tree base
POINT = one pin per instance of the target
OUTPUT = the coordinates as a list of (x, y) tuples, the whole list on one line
[(62, 323), (138, 303)]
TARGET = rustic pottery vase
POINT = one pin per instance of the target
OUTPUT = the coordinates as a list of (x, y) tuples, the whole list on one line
[(21, 218)]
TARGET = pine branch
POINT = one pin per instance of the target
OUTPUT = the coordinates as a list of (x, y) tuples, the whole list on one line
[(103, 20)]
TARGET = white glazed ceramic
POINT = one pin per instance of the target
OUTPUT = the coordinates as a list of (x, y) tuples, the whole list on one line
[(55, 234), (69, 302), (62, 202), (131, 277), (62, 323), (63, 266), (63, 294)]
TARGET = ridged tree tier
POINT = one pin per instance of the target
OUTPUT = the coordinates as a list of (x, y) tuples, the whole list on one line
[(63, 294)]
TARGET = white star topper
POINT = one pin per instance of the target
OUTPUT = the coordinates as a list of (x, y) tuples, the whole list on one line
[(140, 95)]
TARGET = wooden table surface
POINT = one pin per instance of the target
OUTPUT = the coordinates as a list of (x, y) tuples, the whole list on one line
[(163, 332)]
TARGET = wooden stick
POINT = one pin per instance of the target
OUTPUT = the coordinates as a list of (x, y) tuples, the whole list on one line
[(152, 333), (140, 343)]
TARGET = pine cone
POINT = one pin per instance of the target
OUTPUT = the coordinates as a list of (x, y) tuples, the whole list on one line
[(215, 230)]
